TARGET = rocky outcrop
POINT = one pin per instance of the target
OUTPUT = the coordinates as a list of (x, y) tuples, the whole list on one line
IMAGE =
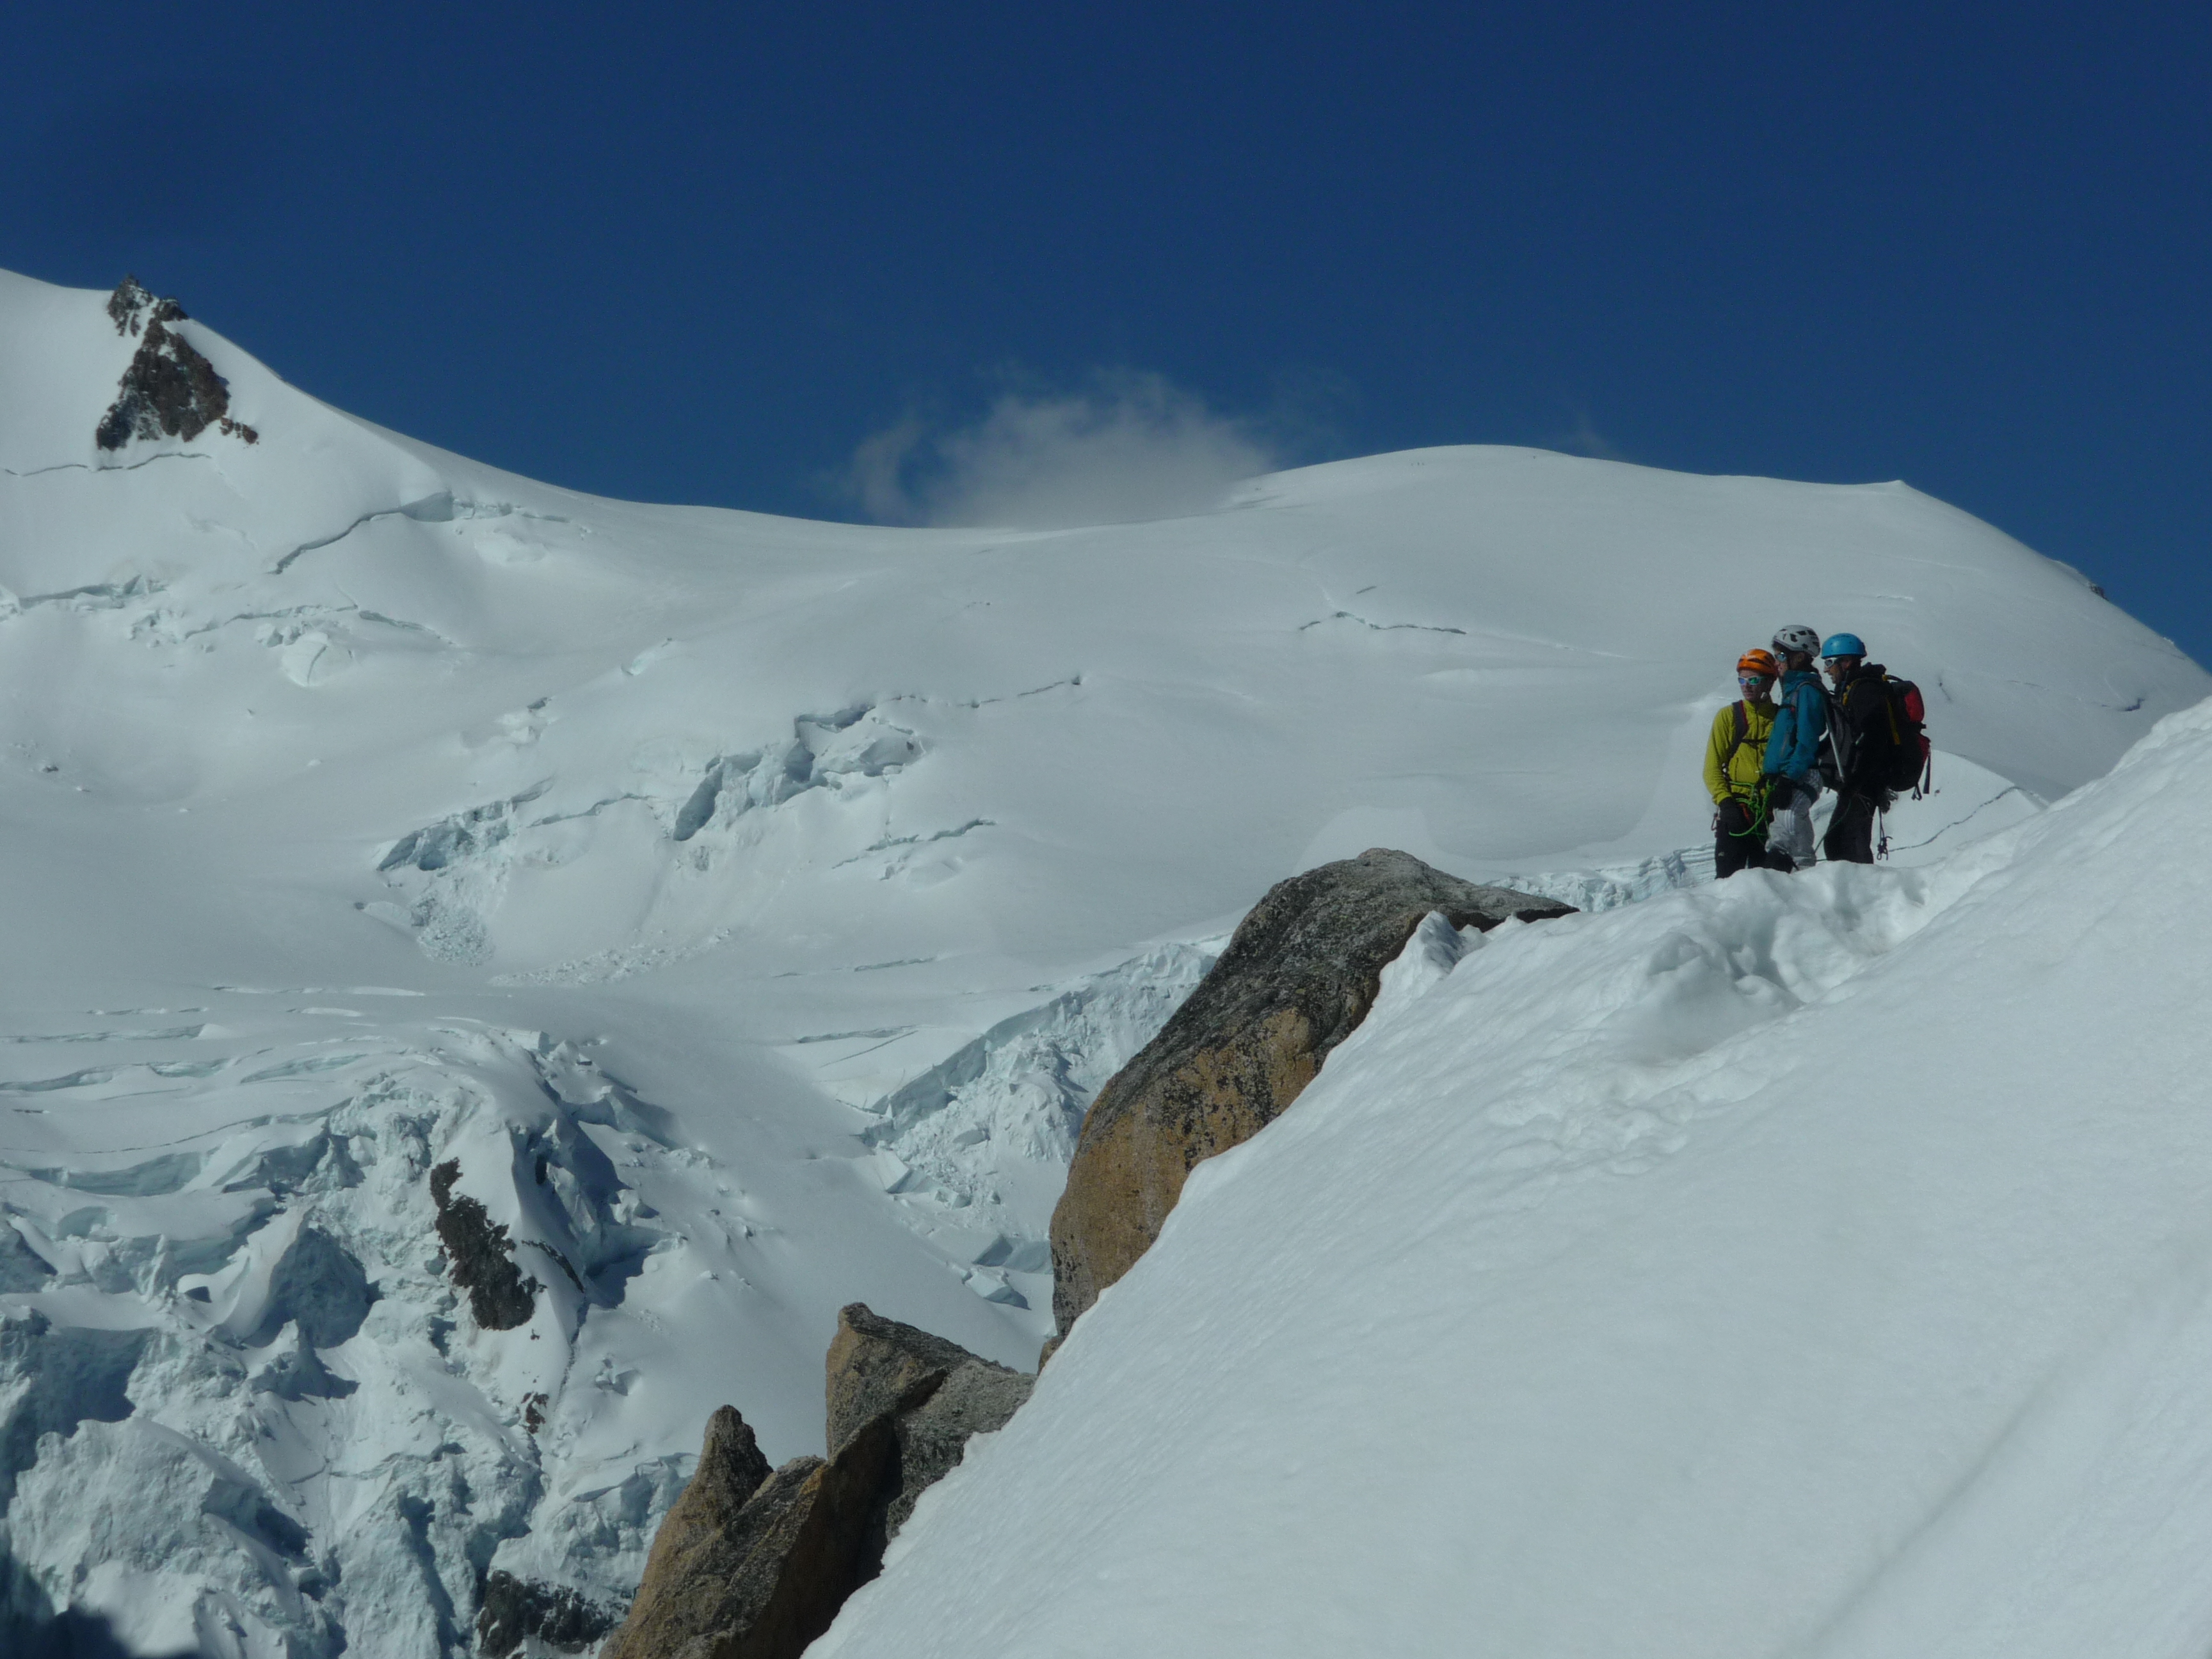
[(169, 390), (479, 1257), (515, 1610), (1299, 975), (936, 1393), (754, 1564)]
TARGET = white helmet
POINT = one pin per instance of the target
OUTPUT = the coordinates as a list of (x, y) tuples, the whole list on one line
[(1798, 639)]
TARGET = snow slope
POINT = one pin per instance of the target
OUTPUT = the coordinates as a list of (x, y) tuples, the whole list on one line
[(1809, 1266), (748, 907)]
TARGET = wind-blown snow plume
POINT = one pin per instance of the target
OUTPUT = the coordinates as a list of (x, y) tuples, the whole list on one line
[(1130, 447)]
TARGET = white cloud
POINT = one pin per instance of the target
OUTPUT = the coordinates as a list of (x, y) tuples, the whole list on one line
[(1586, 440), (1131, 447)]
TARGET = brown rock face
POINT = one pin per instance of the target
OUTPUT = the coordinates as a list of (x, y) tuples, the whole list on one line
[(751, 1564), (936, 1393), (1298, 976), (878, 1365)]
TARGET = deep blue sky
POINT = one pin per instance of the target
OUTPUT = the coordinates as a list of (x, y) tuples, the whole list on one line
[(700, 253)]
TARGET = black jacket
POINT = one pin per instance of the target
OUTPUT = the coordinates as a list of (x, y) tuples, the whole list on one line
[(1859, 734)]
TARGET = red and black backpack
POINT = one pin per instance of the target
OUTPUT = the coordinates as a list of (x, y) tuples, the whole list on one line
[(1910, 762)]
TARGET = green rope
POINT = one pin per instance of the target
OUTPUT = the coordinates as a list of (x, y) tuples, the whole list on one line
[(1758, 817)]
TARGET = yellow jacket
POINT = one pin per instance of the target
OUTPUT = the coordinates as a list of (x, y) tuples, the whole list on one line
[(1737, 776)]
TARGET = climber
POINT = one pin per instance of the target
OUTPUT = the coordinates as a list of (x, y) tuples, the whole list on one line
[(1857, 758), (1734, 776), (1793, 751)]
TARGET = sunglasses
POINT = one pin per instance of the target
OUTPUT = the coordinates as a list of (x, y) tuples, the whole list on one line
[(1754, 682)]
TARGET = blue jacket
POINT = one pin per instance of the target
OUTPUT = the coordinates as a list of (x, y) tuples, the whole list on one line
[(1793, 748)]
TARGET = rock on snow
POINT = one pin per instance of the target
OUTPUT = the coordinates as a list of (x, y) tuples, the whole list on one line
[(1297, 977)]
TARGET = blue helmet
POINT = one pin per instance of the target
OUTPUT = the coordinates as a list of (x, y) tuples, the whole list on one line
[(1842, 645)]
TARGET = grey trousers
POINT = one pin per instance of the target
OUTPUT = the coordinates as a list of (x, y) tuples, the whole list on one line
[(1790, 827)]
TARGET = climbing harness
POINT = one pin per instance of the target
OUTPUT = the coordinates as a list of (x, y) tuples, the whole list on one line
[(1755, 805)]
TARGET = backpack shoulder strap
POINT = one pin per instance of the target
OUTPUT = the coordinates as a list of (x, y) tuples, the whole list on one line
[(1838, 703), (1743, 723)]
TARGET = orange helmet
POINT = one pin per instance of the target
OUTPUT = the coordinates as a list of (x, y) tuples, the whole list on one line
[(1757, 662)]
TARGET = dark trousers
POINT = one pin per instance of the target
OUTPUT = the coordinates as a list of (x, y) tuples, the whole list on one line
[(1850, 839), (1737, 845)]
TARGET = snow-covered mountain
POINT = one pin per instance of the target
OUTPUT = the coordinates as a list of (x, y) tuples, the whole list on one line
[(740, 912)]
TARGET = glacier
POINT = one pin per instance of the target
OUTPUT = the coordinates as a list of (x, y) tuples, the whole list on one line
[(738, 913)]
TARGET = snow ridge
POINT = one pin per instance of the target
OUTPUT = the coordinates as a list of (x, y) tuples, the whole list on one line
[(1792, 1265)]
